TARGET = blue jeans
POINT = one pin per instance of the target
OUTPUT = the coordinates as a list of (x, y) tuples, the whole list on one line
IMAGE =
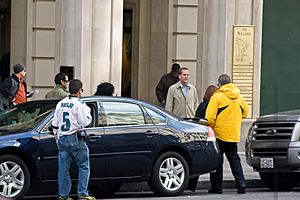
[(230, 150), (70, 147)]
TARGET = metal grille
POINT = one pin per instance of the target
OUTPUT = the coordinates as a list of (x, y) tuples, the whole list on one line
[(273, 133)]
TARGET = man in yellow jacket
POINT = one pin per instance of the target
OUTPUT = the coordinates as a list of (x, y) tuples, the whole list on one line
[(224, 113)]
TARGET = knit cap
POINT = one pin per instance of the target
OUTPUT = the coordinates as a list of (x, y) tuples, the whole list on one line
[(18, 68)]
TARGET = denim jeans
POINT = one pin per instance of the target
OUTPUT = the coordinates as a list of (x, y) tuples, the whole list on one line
[(70, 147), (230, 150)]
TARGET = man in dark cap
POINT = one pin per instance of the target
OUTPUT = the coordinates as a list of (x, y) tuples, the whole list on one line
[(13, 89), (165, 82)]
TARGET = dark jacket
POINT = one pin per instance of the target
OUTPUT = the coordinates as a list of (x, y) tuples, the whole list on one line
[(8, 90), (162, 87), (200, 112)]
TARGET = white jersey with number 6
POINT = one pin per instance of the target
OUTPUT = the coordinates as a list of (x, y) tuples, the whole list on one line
[(71, 115)]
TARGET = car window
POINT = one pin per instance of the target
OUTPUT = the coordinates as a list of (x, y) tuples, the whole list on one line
[(123, 113), (93, 106), (26, 116), (101, 116), (156, 117)]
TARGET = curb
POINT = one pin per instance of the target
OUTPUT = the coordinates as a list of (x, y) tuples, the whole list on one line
[(202, 185)]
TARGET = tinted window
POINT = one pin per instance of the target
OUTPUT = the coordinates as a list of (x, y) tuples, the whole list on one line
[(156, 117), (25, 117), (121, 113)]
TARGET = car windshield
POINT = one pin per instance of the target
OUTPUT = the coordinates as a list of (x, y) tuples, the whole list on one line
[(24, 117)]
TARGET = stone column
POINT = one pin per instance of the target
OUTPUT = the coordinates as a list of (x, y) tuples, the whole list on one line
[(18, 32), (106, 50), (214, 41), (73, 23), (159, 44), (90, 38)]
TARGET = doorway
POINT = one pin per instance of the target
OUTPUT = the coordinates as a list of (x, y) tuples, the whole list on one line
[(5, 16), (127, 52)]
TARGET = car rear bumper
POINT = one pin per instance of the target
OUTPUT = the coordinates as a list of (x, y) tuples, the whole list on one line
[(205, 158)]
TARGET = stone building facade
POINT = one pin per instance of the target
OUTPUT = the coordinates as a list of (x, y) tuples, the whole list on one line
[(132, 43)]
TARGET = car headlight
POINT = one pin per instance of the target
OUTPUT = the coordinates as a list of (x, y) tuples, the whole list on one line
[(251, 133)]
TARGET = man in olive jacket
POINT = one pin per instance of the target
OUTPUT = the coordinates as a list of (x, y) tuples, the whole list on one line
[(60, 90), (182, 98), (224, 113)]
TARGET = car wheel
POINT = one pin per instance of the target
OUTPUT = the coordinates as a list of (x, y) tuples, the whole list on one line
[(14, 177), (170, 175), (105, 189), (280, 181)]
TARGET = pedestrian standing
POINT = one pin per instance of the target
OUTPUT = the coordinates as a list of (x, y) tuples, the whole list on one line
[(60, 90), (13, 90), (182, 98), (224, 113), (72, 115), (105, 89), (165, 82), (200, 112)]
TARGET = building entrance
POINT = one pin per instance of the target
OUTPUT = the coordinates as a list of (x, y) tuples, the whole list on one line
[(127, 53), (5, 15)]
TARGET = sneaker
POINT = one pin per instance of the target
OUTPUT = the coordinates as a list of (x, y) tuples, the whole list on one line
[(241, 190), (215, 191), (64, 198), (86, 197)]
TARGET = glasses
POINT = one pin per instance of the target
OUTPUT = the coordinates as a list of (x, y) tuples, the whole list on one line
[(24, 70), (66, 81), (82, 90)]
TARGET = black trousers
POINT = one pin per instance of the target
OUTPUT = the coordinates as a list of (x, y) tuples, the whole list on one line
[(230, 150)]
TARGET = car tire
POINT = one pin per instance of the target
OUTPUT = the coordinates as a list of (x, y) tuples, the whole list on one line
[(105, 189), (170, 175), (15, 177), (280, 181)]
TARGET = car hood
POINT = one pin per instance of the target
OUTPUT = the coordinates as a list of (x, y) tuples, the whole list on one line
[(291, 115)]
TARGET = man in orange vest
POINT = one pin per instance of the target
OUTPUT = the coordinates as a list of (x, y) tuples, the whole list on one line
[(13, 90)]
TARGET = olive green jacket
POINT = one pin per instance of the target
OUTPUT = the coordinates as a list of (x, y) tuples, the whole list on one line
[(58, 92)]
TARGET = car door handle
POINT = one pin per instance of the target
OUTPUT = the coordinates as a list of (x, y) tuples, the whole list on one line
[(151, 133), (93, 138)]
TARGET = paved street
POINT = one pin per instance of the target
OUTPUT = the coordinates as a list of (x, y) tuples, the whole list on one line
[(230, 194)]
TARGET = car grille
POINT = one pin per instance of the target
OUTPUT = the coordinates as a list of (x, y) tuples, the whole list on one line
[(278, 134)]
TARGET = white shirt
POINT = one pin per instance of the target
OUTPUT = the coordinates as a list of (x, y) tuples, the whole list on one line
[(71, 115)]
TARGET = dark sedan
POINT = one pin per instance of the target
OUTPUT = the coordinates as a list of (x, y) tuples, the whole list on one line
[(129, 141)]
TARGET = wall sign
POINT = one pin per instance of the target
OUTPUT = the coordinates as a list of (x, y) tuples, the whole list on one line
[(243, 61)]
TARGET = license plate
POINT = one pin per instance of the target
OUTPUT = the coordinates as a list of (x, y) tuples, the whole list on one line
[(266, 163)]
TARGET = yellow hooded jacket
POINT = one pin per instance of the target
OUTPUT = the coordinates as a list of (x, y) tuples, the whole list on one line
[(225, 111)]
